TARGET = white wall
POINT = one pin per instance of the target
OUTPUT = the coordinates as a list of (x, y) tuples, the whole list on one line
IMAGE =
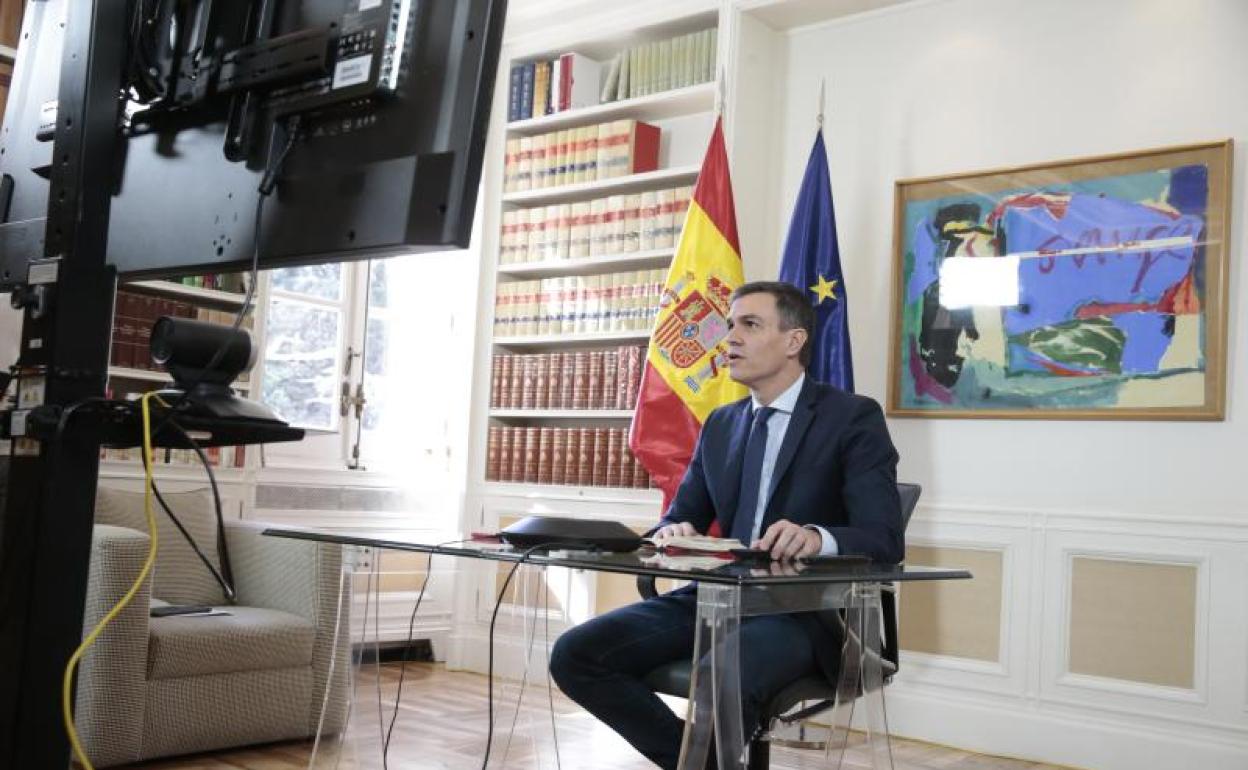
[(942, 86)]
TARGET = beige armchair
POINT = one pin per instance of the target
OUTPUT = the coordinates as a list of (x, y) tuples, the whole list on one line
[(153, 687)]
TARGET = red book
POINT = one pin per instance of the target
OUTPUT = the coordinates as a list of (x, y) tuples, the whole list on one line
[(580, 380), (567, 377), (611, 476), (532, 444), (517, 382), (504, 382), (496, 376), (585, 457), (594, 386), (636, 356), (545, 449), (492, 445), (504, 453), (541, 378), (518, 438), (554, 379), (528, 383), (572, 455), (610, 365), (558, 456), (598, 460)]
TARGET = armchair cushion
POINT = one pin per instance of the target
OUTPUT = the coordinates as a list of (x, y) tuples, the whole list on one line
[(247, 639), (181, 578)]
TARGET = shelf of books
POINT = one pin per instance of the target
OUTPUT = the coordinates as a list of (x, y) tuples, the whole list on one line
[(214, 298), (602, 149), (230, 298)]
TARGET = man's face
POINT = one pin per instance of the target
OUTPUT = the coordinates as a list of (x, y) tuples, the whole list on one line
[(757, 347)]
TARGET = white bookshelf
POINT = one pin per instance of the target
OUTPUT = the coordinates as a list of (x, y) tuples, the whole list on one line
[(562, 414), (582, 339), (650, 180), (192, 294), (685, 117), (538, 493), (589, 265), (668, 104), (145, 375)]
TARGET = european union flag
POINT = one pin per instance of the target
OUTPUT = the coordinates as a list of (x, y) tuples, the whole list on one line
[(812, 262)]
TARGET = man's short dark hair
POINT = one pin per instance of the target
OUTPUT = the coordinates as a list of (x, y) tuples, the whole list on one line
[(794, 309)]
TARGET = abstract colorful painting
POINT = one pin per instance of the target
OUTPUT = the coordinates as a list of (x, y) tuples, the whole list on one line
[(1089, 288)]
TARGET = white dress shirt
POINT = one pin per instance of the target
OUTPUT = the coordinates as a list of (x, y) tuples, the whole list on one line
[(777, 426)]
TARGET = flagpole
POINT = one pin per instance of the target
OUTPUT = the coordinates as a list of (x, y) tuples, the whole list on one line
[(720, 99), (823, 82)]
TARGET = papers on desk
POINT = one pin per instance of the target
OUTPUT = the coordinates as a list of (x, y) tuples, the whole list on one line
[(664, 560), (702, 545)]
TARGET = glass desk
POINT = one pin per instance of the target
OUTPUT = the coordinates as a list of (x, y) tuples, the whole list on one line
[(726, 593)]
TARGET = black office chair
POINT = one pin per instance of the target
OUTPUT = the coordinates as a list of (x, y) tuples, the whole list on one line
[(673, 678)]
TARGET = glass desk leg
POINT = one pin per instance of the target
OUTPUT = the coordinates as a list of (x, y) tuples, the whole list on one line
[(862, 676), (349, 745), (714, 708)]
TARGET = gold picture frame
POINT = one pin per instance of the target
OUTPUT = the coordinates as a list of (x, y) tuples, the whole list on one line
[(1091, 288)]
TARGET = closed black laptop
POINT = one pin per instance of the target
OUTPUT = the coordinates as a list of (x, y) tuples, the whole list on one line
[(571, 533)]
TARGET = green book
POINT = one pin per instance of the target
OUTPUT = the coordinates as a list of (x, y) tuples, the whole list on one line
[(623, 86)]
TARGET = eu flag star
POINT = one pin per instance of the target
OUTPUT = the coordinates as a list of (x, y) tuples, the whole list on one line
[(824, 290)]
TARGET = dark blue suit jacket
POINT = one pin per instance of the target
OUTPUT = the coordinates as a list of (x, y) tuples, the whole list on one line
[(837, 468)]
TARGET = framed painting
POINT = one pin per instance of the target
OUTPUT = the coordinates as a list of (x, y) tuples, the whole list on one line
[(1093, 288)]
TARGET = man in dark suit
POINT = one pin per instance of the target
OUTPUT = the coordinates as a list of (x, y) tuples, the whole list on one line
[(797, 468)]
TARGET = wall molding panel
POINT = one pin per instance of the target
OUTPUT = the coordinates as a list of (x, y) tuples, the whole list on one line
[(1030, 703)]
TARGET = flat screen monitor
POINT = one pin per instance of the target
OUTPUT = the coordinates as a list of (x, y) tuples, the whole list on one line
[(388, 100)]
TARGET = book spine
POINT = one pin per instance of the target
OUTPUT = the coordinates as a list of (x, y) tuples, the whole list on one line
[(513, 97), (558, 455), (519, 440), (493, 444), (580, 380), (540, 380), (504, 453), (554, 376), (496, 378), (612, 472), (529, 382), (514, 384), (630, 234), (644, 148), (566, 379), (585, 457), (563, 238), (599, 475), (572, 456), (610, 366), (545, 445), (595, 380), (532, 445), (526, 91)]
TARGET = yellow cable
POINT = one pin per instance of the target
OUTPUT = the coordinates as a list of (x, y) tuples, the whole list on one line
[(89, 639)]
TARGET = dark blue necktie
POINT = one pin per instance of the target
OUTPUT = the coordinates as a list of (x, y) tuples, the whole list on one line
[(751, 476)]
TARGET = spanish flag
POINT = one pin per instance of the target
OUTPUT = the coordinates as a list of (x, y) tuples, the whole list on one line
[(686, 371)]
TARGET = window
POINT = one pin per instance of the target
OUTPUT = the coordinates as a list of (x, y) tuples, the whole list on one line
[(374, 360)]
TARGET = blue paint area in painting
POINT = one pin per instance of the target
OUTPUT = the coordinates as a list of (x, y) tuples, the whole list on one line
[(1147, 340), (1054, 288), (926, 256), (1189, 189)]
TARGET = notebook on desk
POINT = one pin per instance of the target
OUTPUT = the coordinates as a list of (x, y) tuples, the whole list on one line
[(587, 534)]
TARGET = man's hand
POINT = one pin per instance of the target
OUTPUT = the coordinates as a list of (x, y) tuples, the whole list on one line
[(679, 529), (787, 540)]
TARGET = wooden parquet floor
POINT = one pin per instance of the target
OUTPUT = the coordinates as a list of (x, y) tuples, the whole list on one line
[(442, 725)]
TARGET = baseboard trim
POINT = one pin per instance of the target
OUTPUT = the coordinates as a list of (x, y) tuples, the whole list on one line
[(1083, 740)]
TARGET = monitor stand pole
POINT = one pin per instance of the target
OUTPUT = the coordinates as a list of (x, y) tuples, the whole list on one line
[(45, 530)]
